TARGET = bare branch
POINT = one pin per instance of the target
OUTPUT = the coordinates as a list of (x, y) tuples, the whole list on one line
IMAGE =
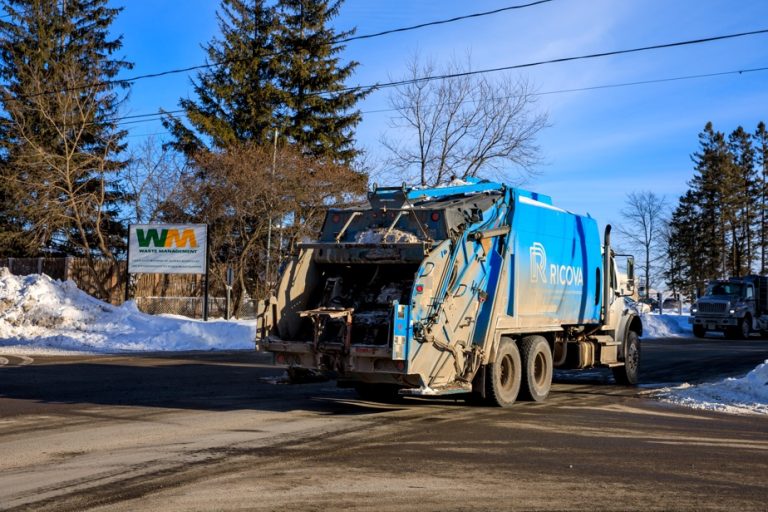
[(465, 126)]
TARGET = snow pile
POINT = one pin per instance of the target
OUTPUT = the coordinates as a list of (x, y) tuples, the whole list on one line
[(665, 326), (39, 314), (455, 182), (378, 236), (745, 395)]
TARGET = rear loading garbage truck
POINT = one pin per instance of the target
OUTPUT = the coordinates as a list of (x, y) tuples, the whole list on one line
[(475, 287)]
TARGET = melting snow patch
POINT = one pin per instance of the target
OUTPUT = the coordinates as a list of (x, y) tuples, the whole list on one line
[(40, 315), (745, 395), (665, 326)]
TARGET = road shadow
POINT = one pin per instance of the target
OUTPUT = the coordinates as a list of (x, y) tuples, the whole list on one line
[(211, 382)]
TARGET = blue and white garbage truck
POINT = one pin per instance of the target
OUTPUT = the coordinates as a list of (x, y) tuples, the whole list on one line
[(476, 287)]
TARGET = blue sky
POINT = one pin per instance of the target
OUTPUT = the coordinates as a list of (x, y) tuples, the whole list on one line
[(601, 145)]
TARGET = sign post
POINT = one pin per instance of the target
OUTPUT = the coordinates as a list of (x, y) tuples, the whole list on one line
[(230, 280), (169, 249)]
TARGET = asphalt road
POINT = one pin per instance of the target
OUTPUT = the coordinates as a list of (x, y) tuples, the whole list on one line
[(218, 431)]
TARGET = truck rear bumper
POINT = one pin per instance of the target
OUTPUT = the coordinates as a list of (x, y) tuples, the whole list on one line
[(362, 363)]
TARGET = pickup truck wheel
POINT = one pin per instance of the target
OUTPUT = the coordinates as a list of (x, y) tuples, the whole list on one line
[(699, 331), (504, 375), (537, 368), (627, 375)]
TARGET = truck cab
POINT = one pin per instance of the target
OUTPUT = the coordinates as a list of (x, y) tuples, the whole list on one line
[(735, 307)]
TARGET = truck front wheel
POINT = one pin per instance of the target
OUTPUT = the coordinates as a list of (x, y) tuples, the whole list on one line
[(503, 379), (627, 375), (699, 331), (537, 368), (745, 327)]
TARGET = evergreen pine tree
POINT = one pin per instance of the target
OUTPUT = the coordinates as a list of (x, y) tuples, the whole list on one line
[(710, 189), (237, 99), (318, 113), (684, 271), (59, 142), (745, 187), (761, 162)]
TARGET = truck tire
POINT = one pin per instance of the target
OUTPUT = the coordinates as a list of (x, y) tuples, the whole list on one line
[(627, 375), (745, 328), (537, 368), (504, 375), (699, 331)]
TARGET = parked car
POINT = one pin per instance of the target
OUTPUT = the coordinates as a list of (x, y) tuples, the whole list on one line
[(650, 302), (637, 306), (670, 303)]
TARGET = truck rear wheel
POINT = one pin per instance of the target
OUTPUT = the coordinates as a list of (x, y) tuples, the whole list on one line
[(627, 375), (504, 375), (537, 368)]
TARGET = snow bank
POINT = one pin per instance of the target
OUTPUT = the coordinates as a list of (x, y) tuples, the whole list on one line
[(40, 315), (665, 326), (745, 395)]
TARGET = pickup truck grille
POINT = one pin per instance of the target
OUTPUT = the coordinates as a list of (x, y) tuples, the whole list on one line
[(712, 307)]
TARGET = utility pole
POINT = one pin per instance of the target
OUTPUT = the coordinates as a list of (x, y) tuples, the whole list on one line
[(269, 227)]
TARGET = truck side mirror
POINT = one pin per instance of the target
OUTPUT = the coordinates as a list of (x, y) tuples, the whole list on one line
[(630, 274)]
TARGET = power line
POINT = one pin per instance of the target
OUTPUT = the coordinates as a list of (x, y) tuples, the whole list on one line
[(675, 44), (235, 61), (145, 118), (441, 22), (654, 81)]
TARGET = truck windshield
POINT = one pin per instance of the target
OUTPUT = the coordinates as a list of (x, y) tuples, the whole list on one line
[(725, 289)]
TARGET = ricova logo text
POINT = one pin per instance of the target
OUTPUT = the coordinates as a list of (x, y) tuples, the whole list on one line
[(565, 275), (166, 238)]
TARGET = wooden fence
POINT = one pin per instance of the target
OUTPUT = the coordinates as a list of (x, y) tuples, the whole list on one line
[(179, 294)]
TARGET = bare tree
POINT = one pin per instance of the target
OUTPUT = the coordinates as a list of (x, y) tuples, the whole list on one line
[(60, 143), (462, 126), (238, 193), (152, 173), (644, 230), (66, 192)]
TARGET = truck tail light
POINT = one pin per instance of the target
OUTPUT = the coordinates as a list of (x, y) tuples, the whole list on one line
[(419, 288), (435, 216)]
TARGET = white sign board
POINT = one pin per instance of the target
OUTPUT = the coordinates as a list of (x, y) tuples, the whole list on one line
[(167, 248)]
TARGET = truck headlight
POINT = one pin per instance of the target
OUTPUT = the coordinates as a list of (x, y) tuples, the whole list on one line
[(733, 311), (694, 309)]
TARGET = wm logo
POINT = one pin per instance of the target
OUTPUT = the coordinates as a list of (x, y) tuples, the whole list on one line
[(167, 238)]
